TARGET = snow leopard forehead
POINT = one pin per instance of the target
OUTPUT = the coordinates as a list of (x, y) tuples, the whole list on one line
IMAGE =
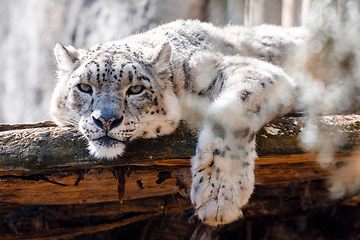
[(116, 69), (110, 64), (117, 51)]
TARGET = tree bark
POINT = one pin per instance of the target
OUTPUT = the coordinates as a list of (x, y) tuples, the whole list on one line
[(45, 165)]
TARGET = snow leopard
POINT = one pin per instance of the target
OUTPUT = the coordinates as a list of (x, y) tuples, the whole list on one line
[(229, 80)]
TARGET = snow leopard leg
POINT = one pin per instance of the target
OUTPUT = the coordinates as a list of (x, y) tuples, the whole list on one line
[(223, 167), (223, 173)]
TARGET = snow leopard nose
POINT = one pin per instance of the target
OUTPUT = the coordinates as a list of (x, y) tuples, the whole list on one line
[(107, 124)]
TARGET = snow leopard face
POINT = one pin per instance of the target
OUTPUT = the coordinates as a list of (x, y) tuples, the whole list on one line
[(114, 96)]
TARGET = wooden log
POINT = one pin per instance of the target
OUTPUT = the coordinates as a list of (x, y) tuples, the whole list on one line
[(47, 221), (45, 171), (48, 149), (98, 185), (37, 164)]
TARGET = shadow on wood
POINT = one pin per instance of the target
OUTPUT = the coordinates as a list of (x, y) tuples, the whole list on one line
[(49, 167)]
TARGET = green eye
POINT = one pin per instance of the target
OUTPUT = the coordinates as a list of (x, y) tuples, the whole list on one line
[(85, 88), (135, 90)]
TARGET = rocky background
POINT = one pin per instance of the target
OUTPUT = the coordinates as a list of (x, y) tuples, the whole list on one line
[(29, 30)]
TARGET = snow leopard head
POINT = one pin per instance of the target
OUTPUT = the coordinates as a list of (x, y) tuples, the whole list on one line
[(114, 95)]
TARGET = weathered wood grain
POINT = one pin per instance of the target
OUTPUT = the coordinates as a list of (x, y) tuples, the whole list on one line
[(46, 149), (37, 164), (98, 185), (49, 167)]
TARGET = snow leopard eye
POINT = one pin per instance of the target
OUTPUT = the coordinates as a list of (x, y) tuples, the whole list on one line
[(85, 88), (135, 90)]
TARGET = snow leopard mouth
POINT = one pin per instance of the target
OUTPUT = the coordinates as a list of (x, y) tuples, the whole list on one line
[(107, 141)]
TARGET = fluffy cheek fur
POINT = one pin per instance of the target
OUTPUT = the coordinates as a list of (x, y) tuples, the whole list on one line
[(68, 104), (59, 110), (161, 119)]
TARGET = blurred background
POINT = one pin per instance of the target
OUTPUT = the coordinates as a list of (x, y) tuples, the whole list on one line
[(29, 30)]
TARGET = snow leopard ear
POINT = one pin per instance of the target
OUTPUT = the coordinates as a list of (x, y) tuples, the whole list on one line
[(160, 65), (163, 57), (66, 57)]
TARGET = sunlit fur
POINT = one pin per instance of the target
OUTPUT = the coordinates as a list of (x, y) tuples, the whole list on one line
[(222, 80)]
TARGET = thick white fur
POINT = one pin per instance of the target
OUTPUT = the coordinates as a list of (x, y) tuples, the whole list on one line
[(188, 70), (223, 167)]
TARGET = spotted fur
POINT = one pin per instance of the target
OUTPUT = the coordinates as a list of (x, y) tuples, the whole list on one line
[(223, 79), (252, 93)]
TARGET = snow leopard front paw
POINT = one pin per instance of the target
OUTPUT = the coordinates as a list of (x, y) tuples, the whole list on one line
[(223, 181)]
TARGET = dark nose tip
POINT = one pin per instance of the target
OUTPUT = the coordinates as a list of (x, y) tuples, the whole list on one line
[(107, 124)]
